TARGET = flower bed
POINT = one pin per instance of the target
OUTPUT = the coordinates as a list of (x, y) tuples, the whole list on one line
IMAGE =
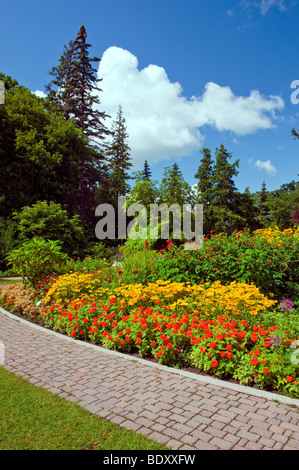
[(213, 327)]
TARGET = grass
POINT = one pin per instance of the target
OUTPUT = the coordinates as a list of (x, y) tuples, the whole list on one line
[(9, 281), (32, 418)]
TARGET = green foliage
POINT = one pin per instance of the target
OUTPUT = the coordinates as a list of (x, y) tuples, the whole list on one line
[(50, 221), (118, 153), (8, 230), (271, 265), (39, 153), (174, 189), (136, 265), (87, 265), (282, 203), (37, 258)]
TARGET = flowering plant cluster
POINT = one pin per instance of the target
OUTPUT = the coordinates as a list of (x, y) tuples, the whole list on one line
[(212, 308), (268, 259)]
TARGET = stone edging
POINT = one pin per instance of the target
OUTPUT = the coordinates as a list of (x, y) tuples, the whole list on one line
[(201, 378)]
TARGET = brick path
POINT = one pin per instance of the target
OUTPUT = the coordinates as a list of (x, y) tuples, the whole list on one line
[(182, 410)]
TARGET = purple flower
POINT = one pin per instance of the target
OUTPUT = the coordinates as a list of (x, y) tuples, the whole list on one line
[(286, 305), (275, 340)]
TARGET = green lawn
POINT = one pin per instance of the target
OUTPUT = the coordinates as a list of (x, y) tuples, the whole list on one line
[(32, 418), (9, 281)]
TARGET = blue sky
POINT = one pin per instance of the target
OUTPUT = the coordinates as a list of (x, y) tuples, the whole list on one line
[(187, 74)]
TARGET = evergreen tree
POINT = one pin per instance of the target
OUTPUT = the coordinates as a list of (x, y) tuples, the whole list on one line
[(262, 206), (76, 82), (60, 99), (118, 153), (77, 98), (147, 174), (223, 203), (223, 174), (205, 176)]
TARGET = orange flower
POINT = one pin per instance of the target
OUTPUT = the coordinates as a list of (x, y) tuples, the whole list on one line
[(289, 378), (214, 363)]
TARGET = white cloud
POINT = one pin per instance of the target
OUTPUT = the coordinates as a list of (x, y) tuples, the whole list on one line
[(160, 121), (40, 94), (265, 5), (266, 166)]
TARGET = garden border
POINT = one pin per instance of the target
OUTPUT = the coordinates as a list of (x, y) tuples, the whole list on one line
[(201, 378)]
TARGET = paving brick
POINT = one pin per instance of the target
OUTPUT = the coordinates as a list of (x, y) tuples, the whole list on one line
[(221, 444), (179, 411)]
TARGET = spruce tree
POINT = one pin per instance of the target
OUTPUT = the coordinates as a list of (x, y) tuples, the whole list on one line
[(147, 174), (223, 174), (204, 175), (263, 209), (223, 202), (77, 97), (204, 187), (76, 80), (119, 160)]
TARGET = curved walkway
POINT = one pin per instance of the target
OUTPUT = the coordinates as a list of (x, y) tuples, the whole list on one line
[(182, 410)]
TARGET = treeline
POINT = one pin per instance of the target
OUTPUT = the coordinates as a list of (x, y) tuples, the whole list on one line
[(61, 156)]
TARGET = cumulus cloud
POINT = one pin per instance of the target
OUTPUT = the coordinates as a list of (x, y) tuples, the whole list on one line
[(40, 94), (266, 166), (161, 122)]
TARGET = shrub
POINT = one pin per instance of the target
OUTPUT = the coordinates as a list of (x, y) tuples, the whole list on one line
[(269, 260), (50, 221), (36, 259)]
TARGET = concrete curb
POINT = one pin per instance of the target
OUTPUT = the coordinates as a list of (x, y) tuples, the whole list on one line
[(197, 377)]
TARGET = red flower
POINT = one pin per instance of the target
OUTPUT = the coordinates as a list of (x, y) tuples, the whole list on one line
[(229, 347), (214, 363), (256, 352), (229, 355), (222, 354), (138, 340), (119, 272), (265, 371), (212, 345), (289, 378), (254, 361)]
